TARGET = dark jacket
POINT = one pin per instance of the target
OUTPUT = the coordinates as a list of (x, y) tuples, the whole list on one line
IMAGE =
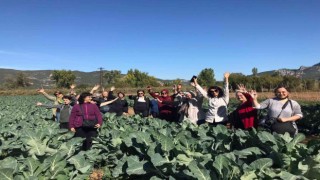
[(119, 107)]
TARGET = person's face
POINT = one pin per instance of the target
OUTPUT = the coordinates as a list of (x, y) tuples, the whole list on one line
[(58, 95), (188, 95), (105, 94), (164, 94), (87, 99), (140, 93), (241, 97), (214, 92), (282, 93), (120, 95), (66, 101), (179, 86)]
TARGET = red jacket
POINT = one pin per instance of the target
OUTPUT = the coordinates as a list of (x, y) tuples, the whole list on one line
[(166, 108), (248, 114)]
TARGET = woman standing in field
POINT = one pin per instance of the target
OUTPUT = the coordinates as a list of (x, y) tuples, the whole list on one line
[(165, 104), (141, 103), (83, 112), (57, 99), (218, 101), (64, 109), (120, 106), (245, 116), (282, 111)]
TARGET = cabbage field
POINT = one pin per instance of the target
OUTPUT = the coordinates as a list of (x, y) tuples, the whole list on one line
[(33, 147)]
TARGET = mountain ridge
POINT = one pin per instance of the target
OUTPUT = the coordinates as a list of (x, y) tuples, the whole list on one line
[(41, 78)]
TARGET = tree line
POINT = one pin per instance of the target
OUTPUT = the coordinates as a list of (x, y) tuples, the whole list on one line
[(137, 79)]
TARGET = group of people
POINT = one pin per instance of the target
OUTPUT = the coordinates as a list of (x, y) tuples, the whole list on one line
[(74, 111)]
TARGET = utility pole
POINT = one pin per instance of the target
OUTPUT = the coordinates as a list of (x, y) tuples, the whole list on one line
[(101, 77)]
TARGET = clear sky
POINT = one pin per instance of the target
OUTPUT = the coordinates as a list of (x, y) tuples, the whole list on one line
[(168, 39)]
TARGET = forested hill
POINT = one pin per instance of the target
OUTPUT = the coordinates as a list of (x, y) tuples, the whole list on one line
[(304, 72), (42, 77)]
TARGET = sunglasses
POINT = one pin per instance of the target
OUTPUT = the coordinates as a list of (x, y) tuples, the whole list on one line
[(214, 90), (140, 93), (163, 93)]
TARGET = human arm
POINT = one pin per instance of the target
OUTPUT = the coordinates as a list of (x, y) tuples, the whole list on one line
[(108, 102), (287, 119), (98, 116), (49, 106), (226, 87), (51, 98), (96, 87), (110, 94), (199, 88), (296, 113), (72, 91), (254, 96), (72, 118)]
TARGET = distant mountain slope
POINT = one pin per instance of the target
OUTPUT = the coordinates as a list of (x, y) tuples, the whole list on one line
[(42, 77), (303, 72)]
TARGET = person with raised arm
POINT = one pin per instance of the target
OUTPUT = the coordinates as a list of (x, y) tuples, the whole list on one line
[(57, 99), (282, 111), (244, 116), (218, 100)]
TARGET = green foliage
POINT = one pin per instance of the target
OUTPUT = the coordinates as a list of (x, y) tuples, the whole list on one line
[(135, 78), (32, 147), (269, 82), (112, 76), (63, 78), (254, 71), (206, 77), (21, 80)]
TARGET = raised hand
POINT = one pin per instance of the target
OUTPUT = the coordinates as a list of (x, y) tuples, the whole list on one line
[(72, 86), (40, 90), (96, 87), (241, 88), (112, 88), (253, 94), (226, 75)]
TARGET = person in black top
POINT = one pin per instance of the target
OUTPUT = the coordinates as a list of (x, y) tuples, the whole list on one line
[(119, 106), (141, 103)]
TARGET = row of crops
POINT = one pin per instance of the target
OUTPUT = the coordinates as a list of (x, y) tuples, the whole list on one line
[(33, 147)]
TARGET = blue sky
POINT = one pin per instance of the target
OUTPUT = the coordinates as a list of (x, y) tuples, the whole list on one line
[(168, 39)]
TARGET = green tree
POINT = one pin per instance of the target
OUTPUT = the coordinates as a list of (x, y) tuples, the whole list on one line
[(237, 78), (112, 76), (136, 78), (292, 82), (21, 80), (206, 77), (63, 78), (254, 71)]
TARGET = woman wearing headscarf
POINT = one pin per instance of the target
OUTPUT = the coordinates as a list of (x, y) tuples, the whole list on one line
[(167, 110)]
